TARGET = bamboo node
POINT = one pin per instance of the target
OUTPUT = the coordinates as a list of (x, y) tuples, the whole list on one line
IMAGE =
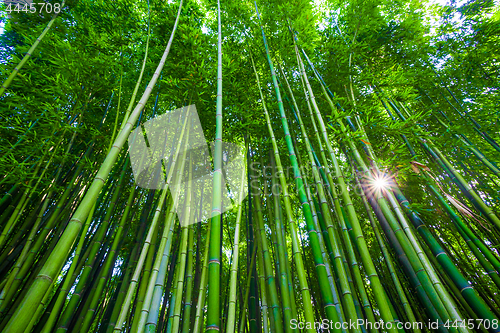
[(45, 277), (468, 287), (440, 253), (213, 327)]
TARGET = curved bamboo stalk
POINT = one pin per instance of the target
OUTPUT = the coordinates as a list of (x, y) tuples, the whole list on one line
[(32, 49), (152, 228), (43, 282)]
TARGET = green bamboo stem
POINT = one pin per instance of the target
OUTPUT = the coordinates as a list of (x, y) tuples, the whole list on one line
[(38, 312), (213, 311), (268, 270), (135, 278), (77, 321), (454, 291), (487, 259), (61, 298), (471, 147), (451, 309), (389, 262), (24, 253), (167, 309), (115, 127), (405, 261), (154, 306), (175, 293), (139, 79), (263, 291), (463, 229), (28, 55), (326, 292), (147, 320), (286, 287), (152, 228), (42, 283), (46, 201), (247, 289), (35, 317), (52, 220), (107, 266), (490, 215), (336, 254), (86, 273), (327, 251), (200, 304), (9, 288), (457, 178), (176, 317), (415, 260), (231, 313), (356, 273), (301, 274), (450, 269), (27, 194), (253, 301), (442, 292), (127, 275), (472, 121), (375, 283), (186, 322), (268, 319), (112, 308), (144, 283), (431, 283), (8, 196)]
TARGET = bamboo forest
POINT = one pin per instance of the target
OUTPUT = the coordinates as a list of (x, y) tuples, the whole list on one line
[(250, 166)]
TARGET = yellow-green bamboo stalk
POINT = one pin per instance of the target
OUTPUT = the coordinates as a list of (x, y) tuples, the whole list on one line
[(28, 55), (231, 312), (376, 285), (296, 248), (55, 262), (152, 228)]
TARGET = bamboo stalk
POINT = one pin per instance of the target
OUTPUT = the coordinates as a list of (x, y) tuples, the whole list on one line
[(19, 320), (231, 316), (301, 274), (32, 49), (213, 312)]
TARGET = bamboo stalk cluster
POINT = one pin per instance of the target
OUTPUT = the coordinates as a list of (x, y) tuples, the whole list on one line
[(338, 245)]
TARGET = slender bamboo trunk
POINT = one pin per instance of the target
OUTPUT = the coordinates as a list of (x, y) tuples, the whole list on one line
[(382, 302), (301, 273), (231, 317), (28, 55), (43, 283), (213, 312)]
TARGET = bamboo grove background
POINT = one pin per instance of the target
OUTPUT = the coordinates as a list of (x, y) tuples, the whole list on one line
[(329, 99)]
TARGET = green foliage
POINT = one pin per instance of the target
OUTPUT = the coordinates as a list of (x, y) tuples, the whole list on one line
[(397, 70)]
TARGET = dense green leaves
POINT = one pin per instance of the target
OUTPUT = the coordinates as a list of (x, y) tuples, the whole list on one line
[(409, 89)]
